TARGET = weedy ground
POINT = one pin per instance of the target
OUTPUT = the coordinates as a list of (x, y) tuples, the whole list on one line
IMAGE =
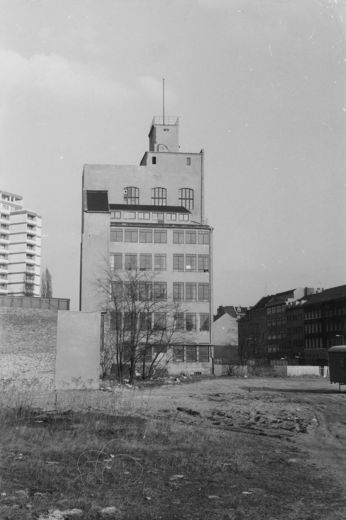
[(180, 465)]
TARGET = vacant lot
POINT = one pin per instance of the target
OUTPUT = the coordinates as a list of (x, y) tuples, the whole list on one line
[(264, 449)]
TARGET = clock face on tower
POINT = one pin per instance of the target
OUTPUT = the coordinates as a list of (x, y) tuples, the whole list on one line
[(162, 148)]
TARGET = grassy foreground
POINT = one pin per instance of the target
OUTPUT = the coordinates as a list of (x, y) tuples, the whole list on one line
[(151, 469)]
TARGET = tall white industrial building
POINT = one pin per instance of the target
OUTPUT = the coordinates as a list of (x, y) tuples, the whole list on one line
[(151, 218), (20, 247)]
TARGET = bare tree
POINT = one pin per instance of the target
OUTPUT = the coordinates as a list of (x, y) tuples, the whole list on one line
[(141, 322), (46, 284)]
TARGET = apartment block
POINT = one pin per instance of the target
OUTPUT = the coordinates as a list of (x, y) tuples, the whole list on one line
[(150, 219), (20, 247)]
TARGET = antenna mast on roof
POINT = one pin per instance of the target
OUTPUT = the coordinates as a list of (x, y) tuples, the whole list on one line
[(163, 100)]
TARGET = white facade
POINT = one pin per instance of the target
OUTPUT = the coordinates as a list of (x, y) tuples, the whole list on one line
[(151, 218), (20, 247)]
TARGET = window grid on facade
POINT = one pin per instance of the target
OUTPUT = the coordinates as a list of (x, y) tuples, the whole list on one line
[(144, 291), (178, 291), (191, 353), (159, 196), (145, 262), (160, 262), (131, 195), (186, 197)]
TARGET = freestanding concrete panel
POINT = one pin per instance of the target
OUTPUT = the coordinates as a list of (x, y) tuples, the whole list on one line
[(78, 351)]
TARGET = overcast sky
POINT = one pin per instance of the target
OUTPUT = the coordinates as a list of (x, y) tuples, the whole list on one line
[(259, 84)]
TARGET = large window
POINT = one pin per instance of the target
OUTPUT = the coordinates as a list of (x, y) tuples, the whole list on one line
[(145, 261), (191, 353), (203, 237), (160, 290), (190, 262), (116, 261), (131, 261), (203, 353), (145, 235), (190, 291), (179, 321), (204, 321), (159, 196), (160, 262), (178, 262), (178, 354), (178, 237), (160, 236), (131, 195), (203, 263), (116, 235), (186, 198), (159, 320), (178, 291), (190, 321), (131, 235), (203, 291), (190, 237), (144, 291)]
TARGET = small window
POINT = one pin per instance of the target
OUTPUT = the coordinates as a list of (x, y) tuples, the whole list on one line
[(203, 354), (188, 161), (129, 215), (171, 216), (160, 236), (116, 235), (143, 215), (186, 197), (131, 195), (153, 160), (144, 291), (159, 196), (184, 217), (131, 235), (178, 237), (115, 214)]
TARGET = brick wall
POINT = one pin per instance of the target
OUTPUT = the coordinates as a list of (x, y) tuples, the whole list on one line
[(27, 345)]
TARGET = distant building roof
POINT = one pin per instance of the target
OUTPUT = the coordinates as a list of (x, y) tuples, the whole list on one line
[(235, 310), (326, 295)]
